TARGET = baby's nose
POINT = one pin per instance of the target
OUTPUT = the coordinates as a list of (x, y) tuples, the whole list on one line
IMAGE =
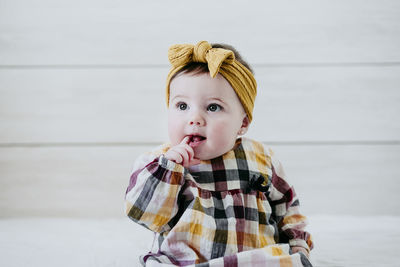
[(197, 119)]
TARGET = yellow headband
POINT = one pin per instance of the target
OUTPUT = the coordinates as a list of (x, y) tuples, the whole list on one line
[(221, 61)]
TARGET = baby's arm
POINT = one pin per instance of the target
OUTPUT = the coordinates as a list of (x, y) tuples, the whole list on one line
[(152, 194), (285, 205)]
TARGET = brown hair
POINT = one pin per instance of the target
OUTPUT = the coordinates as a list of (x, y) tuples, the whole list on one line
[(199, 67)]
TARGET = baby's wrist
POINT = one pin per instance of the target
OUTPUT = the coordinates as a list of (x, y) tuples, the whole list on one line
[(296, 249), (170, 165)]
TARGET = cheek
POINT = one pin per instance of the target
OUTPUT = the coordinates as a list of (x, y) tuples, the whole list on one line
[(225, 132), (228, 127), (174, 128)]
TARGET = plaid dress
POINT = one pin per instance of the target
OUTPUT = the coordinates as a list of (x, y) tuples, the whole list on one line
[(236, 209)]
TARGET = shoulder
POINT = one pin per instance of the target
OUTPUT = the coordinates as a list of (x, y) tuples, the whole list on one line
[(265, 158), (269, 166), (259, 157), (257, 149)]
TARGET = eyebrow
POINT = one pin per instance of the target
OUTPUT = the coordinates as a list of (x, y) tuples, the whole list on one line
[(211, 98), (216, 98), (177, 96)]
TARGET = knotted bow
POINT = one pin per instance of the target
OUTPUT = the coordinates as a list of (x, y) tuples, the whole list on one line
[(218, 60), (182, 54)]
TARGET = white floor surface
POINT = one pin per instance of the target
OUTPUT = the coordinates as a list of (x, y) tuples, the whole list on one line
[(340, 241)]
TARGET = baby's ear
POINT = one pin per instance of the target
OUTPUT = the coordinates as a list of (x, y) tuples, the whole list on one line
[(245, 126)]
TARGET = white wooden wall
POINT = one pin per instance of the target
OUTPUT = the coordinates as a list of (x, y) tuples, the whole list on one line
[(82, 95)]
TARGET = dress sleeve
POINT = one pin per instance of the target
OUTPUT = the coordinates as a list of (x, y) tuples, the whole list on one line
[(152, 194), (285, 208)]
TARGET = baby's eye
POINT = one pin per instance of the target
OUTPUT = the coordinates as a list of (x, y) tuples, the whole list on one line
[(214, 107), (181, 106)]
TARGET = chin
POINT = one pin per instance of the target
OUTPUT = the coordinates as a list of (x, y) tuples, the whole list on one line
[(210, 152), (207, 156), (202, 156)]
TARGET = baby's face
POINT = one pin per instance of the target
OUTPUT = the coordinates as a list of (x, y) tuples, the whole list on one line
[(208, 111)]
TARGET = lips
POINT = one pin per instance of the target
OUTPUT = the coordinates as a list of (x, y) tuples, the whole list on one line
[(196, 140)]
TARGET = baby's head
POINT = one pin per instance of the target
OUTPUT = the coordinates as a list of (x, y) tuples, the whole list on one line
[(210, 97)]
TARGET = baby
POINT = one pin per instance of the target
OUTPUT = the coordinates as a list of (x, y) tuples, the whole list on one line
[(211, 197)]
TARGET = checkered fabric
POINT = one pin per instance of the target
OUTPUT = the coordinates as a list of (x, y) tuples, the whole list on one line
[(237, 208)]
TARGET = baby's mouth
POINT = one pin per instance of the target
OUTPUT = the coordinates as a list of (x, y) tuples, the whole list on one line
[(195, 140)]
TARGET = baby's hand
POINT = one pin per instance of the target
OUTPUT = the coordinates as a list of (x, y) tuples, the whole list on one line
[(182, 154), (300, 249)]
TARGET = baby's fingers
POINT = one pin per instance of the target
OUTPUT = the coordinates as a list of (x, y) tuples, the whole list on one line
[(178, 154), (185, 140), (174, 156), (183, 153), (189, 150)]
